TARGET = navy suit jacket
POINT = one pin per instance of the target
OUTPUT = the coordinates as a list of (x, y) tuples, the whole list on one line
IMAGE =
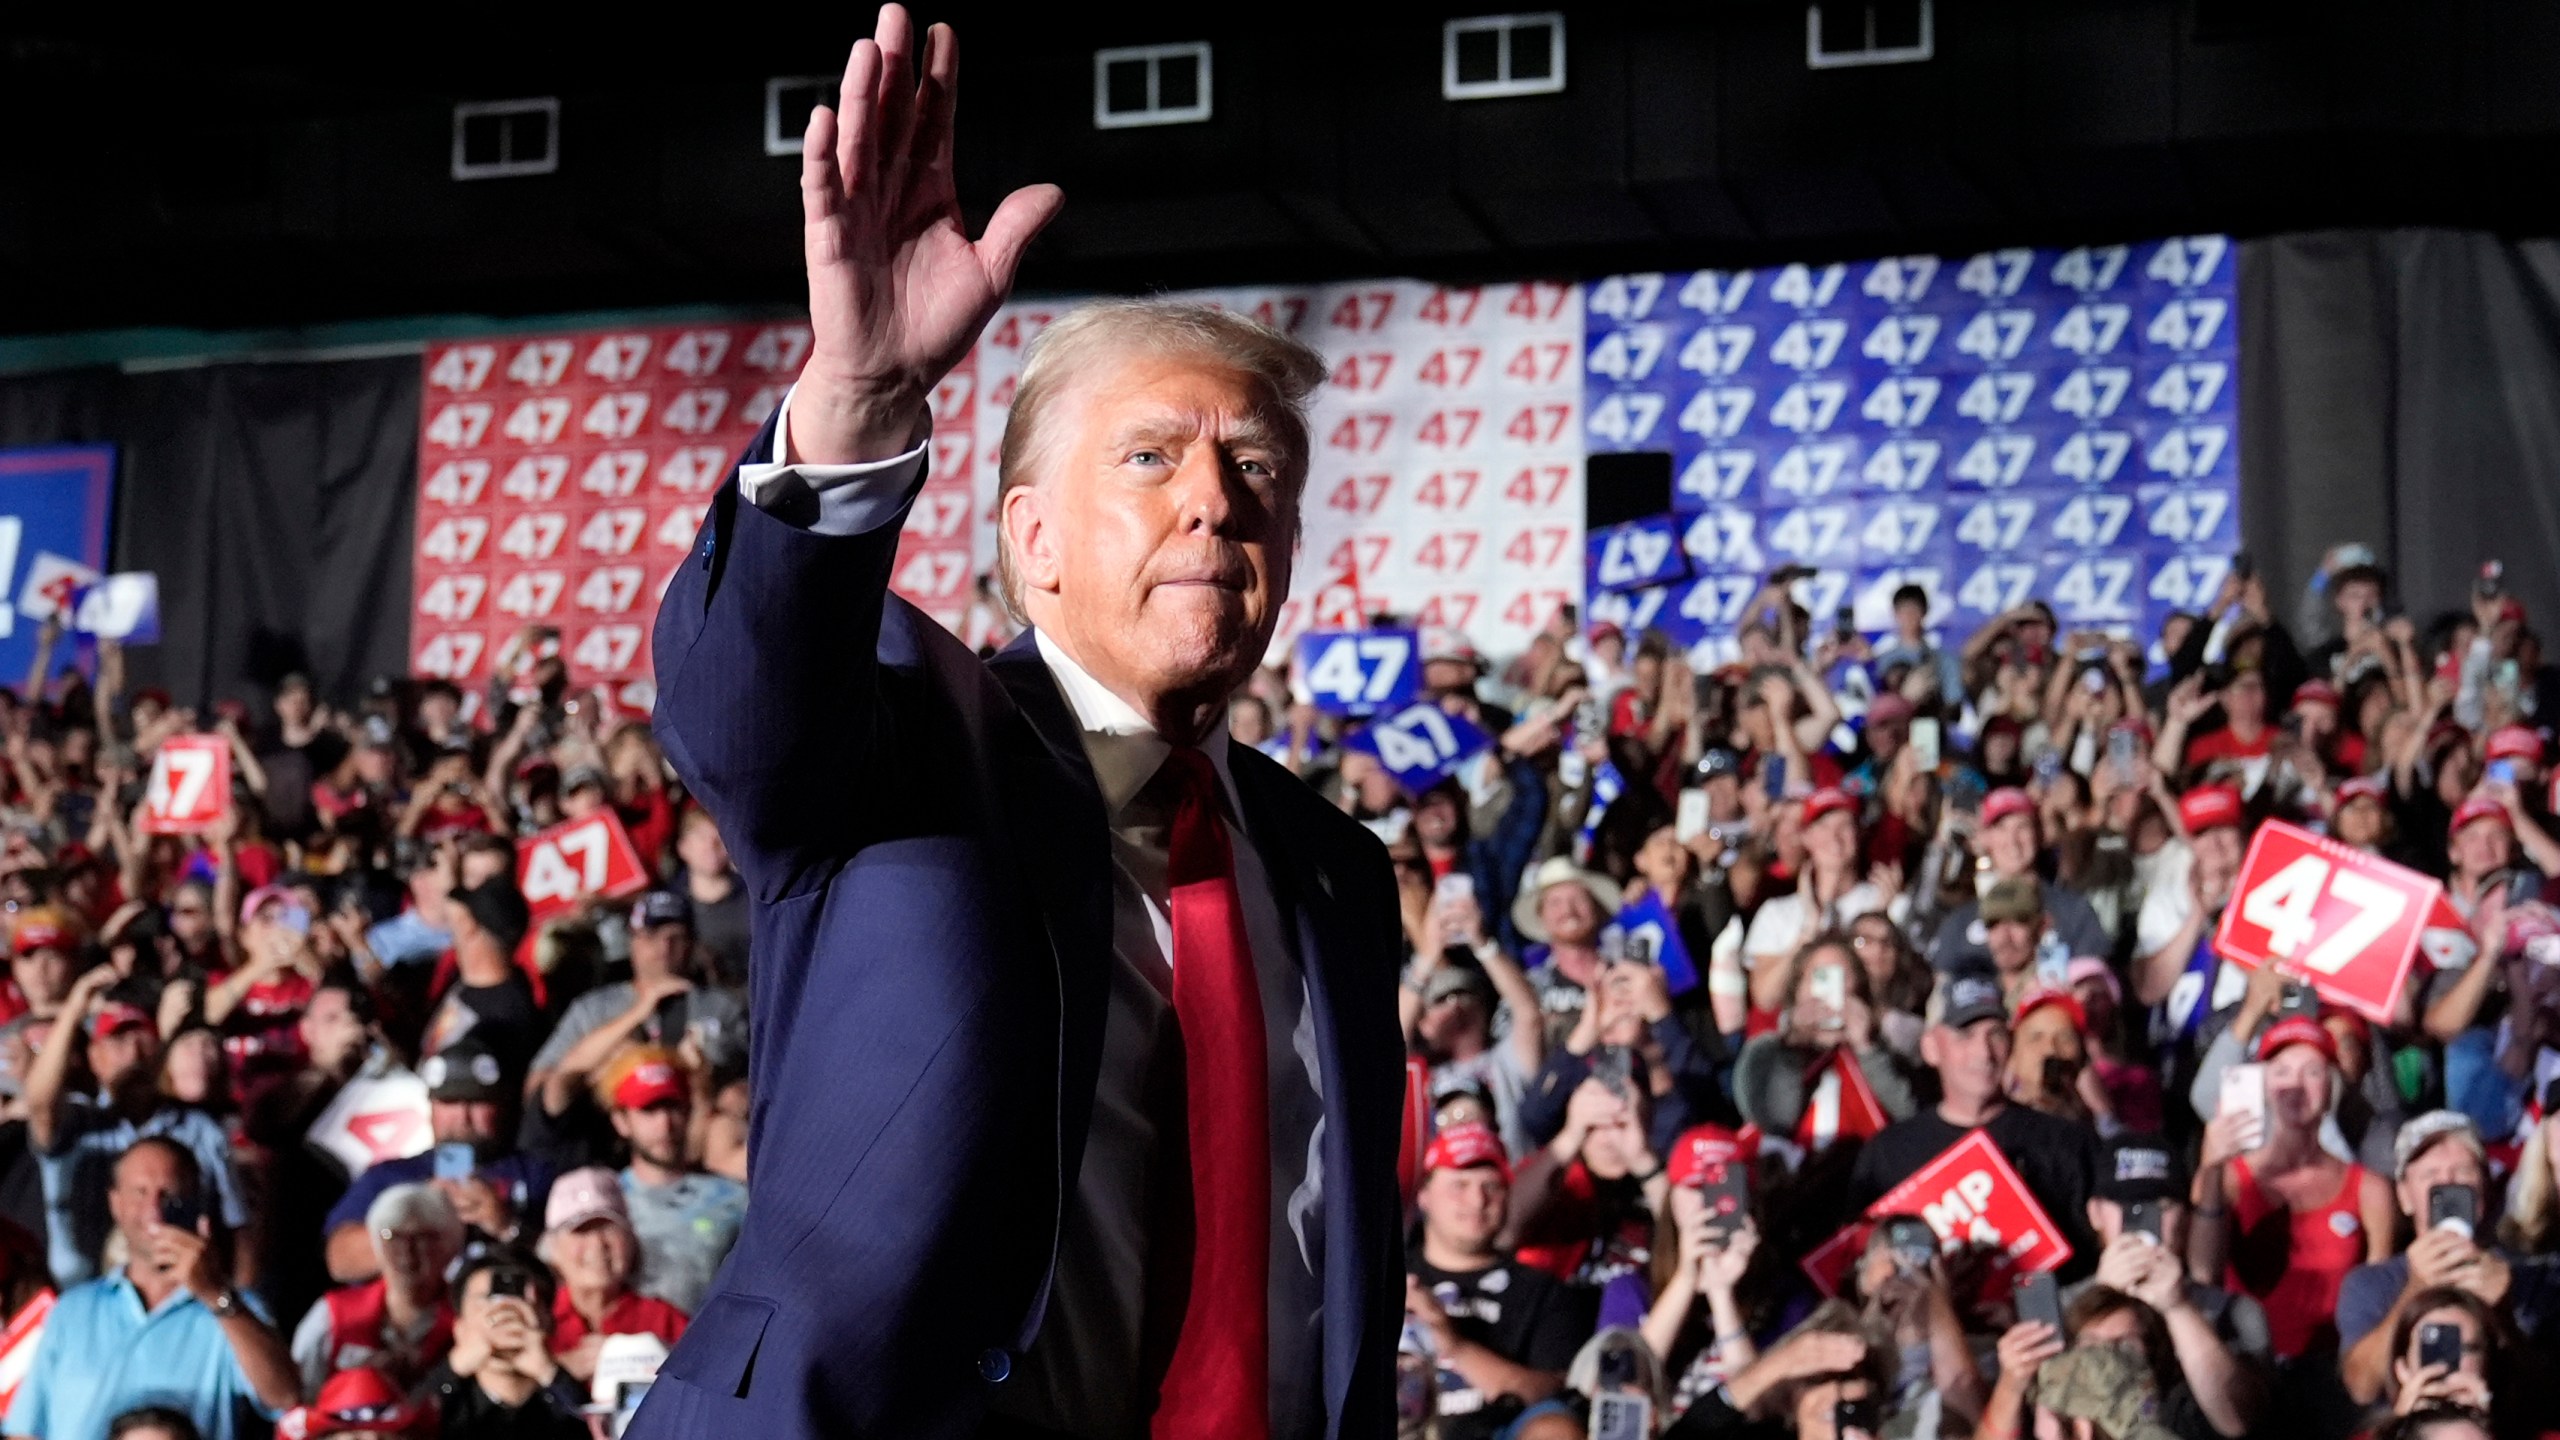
[(929, 863)]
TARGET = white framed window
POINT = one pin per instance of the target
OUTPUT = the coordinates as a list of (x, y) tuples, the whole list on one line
[(788, 99), (1493, 57), (494, 139), (1151, 85), (1841, 33)]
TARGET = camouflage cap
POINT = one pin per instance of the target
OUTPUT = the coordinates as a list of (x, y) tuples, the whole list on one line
[(2107, 1385)]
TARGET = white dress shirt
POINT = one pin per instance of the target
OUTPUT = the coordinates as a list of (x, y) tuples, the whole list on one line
[(1082, 1374)]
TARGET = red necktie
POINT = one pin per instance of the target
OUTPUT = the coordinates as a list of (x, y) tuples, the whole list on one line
[(1218, 1382)]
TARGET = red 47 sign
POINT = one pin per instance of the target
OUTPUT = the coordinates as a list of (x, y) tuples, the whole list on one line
[(190, 786), (2343, 920), (576, 859)]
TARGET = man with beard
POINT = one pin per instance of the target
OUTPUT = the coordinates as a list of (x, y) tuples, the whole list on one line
[(685, 1220), (77, 1136)]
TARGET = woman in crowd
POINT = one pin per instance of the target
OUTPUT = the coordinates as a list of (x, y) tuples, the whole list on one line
[(2276, 1214), (1785, 1081)]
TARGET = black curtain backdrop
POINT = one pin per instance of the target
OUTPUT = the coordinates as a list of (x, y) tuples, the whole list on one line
[(273, 500), (2397, 387), (2403, 388)]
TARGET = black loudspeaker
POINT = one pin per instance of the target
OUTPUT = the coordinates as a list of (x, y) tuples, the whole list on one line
[(1622, 487)]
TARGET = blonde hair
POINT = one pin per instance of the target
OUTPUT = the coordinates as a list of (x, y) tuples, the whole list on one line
[(1286, 367)]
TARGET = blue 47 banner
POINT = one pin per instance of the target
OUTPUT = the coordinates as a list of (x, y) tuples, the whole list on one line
[(2054, 425), (53, 501), (1358, 672), (1646, 931), (1422, 745)]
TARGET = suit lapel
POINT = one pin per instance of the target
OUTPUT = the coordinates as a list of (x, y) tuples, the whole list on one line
[(1054, 818), (1329, 953)]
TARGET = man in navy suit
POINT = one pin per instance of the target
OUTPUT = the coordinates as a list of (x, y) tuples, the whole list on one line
[(1076, 1062)]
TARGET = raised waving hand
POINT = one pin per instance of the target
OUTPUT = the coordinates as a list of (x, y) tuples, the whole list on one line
[(897, 290)]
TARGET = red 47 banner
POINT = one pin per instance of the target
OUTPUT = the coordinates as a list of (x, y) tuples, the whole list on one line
[(2346, 922), (1970, 1196), (576, 859), (190, 786)]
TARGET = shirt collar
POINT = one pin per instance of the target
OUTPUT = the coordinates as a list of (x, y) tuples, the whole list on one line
[(1121, 744)]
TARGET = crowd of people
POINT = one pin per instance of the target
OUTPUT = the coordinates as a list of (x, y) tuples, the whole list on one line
[(1704, 965)]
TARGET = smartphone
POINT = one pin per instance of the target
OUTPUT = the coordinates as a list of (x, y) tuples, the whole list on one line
[(178, 1212), (1858, 1417), (1587, 724), (455, 1161), (2040, 1298), (2048, 767), (508, 1281), (1844, 625), (1912, 1241), (1773, 774), (1610, 1067), (1727, 1195), (1964, 793), (1456, 885), (294, 918), (2440, 1343), (1924, 741), (1691, 821), (2244, 566), (2244, 1089), (2142, 1217), (1830, 987), (1619, 1415), (2501, 772), (2455, 1208), (2094, 680)]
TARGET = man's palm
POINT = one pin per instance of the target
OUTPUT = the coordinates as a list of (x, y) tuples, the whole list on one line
[(897, 291)]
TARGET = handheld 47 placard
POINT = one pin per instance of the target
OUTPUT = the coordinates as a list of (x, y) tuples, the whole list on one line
[(2346, 922)]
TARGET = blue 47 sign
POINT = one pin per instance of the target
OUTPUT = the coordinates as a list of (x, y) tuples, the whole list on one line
[(1422, 745), (52, 501), (1358, 672)]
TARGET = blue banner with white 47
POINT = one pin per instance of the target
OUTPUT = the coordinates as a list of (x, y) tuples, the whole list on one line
[(1422, 745), (1357, 672), (53, 502)]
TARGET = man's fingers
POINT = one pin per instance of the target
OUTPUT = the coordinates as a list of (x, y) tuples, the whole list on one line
[(896, 37), (858, 117), (1022, 215), (938, 98)]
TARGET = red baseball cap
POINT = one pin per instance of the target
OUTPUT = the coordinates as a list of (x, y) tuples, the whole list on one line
[(2362, 787), (2315, 692), (1829, 800), (2042, 997), (39, 931), (115, 1017), (2296, 1030), (2004, 802), (2515, 742), (2207, 807), (1702, 1147), (1463, 1147), (651, 1082), (362, 1400), (2478, 807)]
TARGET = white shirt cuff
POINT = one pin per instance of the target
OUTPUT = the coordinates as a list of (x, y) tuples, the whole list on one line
[(837, 500)]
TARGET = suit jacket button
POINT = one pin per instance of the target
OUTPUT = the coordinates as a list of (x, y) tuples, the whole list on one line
[(995, 1366)]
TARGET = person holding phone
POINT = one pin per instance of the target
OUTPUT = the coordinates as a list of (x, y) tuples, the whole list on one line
[(500, 1382), (168, 1327), (2443, 1184), (1832, 1015), (1908, 1297), (2267, 1166), (2450, 1347), (1833, 890), (1454, 991), (1712, 1239), (2008, 842), (2139, 1213)]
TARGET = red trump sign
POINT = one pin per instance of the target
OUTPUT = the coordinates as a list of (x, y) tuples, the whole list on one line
[(2346, 922), (1970, 1197)]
